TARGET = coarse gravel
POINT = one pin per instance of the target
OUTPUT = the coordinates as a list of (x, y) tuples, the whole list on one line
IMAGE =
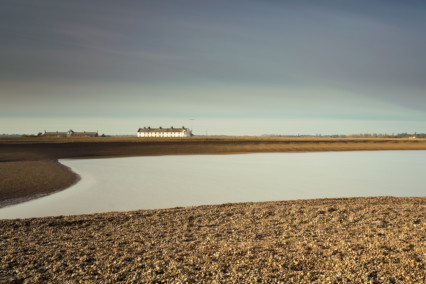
[(346, 240)]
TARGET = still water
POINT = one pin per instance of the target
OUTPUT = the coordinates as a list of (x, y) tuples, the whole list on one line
[(123, 184)]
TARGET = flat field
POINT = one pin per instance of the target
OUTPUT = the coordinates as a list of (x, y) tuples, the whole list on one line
[(58, 148)]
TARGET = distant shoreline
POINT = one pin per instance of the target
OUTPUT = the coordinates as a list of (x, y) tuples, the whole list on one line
[(30, 149), (29, 167)]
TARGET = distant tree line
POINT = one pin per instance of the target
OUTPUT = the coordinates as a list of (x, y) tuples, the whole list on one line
[(360, 135), (398, 135)]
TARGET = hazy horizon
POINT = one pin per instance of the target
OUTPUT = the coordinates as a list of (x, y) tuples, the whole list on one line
[(221, 67)]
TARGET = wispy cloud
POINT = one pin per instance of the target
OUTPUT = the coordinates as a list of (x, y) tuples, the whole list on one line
[(265, 59)]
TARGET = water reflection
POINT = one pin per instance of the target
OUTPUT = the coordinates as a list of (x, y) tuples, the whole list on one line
[(123, 184)]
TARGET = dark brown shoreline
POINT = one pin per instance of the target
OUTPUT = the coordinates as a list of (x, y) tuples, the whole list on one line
[(22, 181), (40, 148), (33, 154)]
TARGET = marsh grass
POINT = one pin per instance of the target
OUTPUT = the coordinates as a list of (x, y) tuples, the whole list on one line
[(15, 149)]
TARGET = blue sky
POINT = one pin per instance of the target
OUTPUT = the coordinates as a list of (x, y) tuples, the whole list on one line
[(235, 67)]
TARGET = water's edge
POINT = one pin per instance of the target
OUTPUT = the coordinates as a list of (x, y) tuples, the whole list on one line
[(126, 184)]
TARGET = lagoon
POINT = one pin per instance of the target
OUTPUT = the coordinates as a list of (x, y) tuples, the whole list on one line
[(123, 184)]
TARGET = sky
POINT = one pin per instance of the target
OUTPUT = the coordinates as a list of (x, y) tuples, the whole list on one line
[(228, 67)]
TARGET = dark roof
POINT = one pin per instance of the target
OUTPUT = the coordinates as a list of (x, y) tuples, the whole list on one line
[(91, 134), (70, 133), (55, 133), (160, 129)]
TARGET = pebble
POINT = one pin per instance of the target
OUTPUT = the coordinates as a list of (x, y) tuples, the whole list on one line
[(346, 240)]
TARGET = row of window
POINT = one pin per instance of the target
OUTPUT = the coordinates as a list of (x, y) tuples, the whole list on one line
[(162, 134)]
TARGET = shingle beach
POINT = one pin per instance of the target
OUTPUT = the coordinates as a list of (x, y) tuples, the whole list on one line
[(353, 240)]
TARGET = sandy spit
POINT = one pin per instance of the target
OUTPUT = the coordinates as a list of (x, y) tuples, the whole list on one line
[(21, 181), (348, 240)]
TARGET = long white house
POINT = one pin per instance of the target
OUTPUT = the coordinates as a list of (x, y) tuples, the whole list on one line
[(164, 132)]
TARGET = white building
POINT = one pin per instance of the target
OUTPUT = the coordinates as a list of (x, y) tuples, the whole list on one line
[(164, 132)]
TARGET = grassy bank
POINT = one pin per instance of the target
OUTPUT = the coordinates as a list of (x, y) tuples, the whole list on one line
[(39, 148)]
